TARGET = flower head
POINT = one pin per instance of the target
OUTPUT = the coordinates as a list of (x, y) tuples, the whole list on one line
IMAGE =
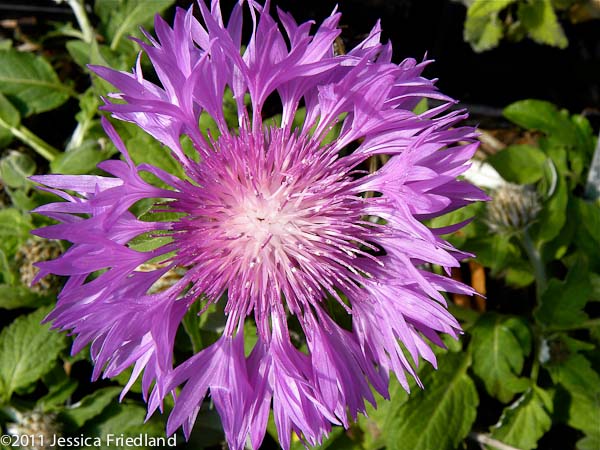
[(34, 428), (513, 208), (272, 218)]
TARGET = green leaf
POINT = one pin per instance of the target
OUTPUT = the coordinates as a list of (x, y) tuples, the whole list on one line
[(518, 274), (31, 82), (13, 297), (421, 107), (6, 270), (591, 441), (525, 421), (339, 439), (191, 325), (562, 302), (250, 337), (58, 394), (441, 415), (586, 216), (542, 116), (208, 430), (542, 25), (124, 377), (122, 18), (495, 251), (576, 375), (481, 8), (557, 153), (483, 33), (124, 419), (143, 148), (595, 283), (8, 113), (499, 346), (378, 420), (101, 55), (14, 230), (147, 242), (468, 212), (522, 164), (483, 28), (563, 4), (553, 215), (557, 248), (79, 51), (9, 117), (90, 406), (6, 137), (21, 200), (89, 130), (82, 159), (587, 138), (27, 351), (15, 168)]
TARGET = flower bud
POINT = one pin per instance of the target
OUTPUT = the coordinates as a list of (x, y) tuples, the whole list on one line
[(513, 208)]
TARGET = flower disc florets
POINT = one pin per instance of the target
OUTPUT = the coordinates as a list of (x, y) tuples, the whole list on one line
[(274, 218), (277, 218)]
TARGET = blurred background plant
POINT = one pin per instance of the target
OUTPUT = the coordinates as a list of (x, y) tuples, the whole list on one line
[(525, 373), (489, 21)]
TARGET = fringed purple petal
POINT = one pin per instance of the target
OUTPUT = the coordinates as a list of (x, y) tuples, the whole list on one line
[(281, 220)]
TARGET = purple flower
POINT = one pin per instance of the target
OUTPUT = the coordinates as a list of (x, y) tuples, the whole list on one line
[(274, 221)]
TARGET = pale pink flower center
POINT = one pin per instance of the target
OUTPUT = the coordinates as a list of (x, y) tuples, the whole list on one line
[(260, 217)]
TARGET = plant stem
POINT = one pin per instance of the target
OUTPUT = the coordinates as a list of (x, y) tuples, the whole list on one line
[(539, 269), (541, 282), (537, 348), (82, 19), (36, 143), (487, 440)]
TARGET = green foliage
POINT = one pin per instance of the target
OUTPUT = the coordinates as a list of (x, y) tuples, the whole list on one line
[(35, 372), (553, 216), (574, 373), (14, 296), (440, 416), (540, 21), (14, 230), (528, 360), (127, 419), (483, 27), (9, 118), (82, 159), (499, 346), (542, 116), (144, 148), (27, 352), (30, 82), (60, 391), (520, 164), (562, 302), (488, 21), (15, 168), (525, 421), (90, 406), (122, 18)]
